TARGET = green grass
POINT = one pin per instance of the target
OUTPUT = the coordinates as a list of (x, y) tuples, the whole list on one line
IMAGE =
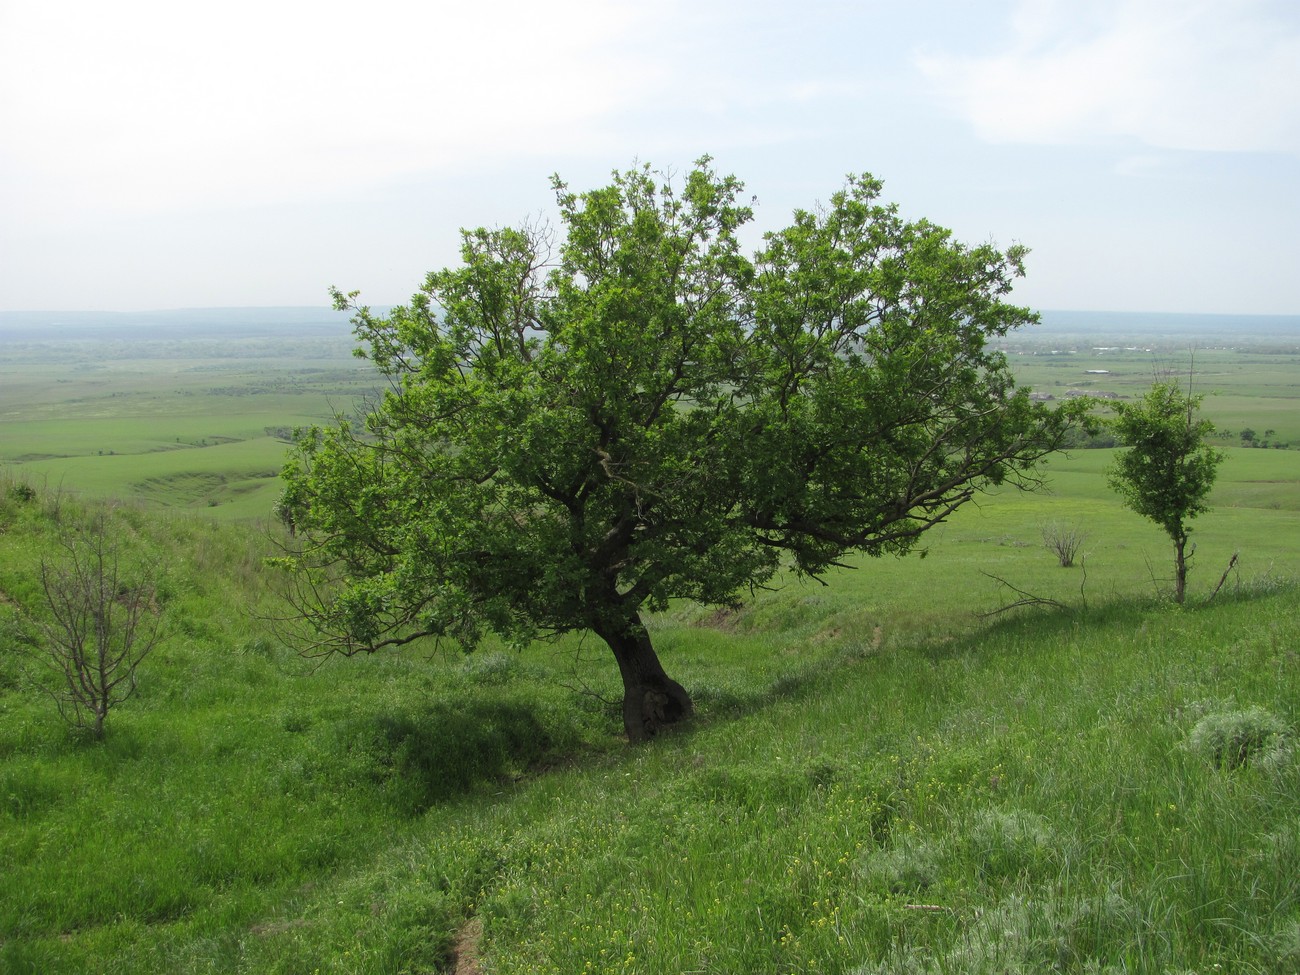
[(1242, 387), (893, 772), (110, 418), (242, 477), (189, 422), (879, 779)]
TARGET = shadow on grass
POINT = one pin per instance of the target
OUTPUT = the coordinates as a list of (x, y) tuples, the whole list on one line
[(723, 700), (1045, 623), (1042, 625), (419, 758)]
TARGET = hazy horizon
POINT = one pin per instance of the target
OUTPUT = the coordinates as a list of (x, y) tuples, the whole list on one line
[(321, 311), (1096, 320)]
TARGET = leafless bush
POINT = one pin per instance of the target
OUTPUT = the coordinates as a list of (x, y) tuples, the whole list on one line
[(1065, 541), (102, 622)]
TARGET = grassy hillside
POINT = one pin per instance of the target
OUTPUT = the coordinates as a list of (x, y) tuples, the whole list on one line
[(880, 779), (900, 771)]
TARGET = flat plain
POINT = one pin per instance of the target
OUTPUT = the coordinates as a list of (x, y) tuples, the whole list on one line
[(187, 415), (196, 410)]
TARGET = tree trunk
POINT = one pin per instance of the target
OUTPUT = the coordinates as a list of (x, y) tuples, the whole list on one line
[(1180, 568), (651, 699)]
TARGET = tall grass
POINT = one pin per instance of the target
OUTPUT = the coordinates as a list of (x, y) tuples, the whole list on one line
[(879, 779)]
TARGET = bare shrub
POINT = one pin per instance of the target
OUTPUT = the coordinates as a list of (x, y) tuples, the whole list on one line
[(102, 623), (1064, 540)]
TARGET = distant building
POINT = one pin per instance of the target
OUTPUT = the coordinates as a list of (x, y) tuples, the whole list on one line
[(1095, 393)]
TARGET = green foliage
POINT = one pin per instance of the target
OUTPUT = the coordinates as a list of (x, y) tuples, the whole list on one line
[(587, 423), (22, 493), (1167, 469)]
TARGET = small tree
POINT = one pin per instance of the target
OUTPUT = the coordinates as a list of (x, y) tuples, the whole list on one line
[(581, 429), (101, 625), (1167, 470)]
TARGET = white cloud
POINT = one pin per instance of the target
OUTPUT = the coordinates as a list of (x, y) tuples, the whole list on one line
[(1174, 74), (143, 105)]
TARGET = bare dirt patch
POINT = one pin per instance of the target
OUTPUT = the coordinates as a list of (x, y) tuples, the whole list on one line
[(464, 953)]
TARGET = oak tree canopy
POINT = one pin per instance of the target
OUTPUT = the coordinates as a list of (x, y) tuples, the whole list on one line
[(585, 421)]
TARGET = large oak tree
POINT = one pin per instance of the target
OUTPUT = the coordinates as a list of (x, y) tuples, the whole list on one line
[(586, 422)]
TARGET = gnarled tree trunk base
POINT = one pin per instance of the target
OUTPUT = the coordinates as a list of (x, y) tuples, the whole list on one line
[(652, 706), (652, 701)]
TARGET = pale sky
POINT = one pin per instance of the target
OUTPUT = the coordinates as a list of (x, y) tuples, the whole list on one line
[(158, 154)]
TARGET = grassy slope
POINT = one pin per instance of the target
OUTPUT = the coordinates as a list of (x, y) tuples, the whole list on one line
[(879, 780)]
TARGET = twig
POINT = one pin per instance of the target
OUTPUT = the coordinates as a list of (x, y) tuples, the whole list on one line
[(1027, 599), (1223, 578), (583, 689)]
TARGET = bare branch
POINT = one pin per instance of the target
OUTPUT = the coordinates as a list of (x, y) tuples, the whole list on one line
[(1026, 599)]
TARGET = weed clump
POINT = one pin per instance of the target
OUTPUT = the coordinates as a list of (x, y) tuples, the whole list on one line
[(997, 845), (1005, 844), (1023, 935), (1231, 739), (491, 669), (909, 865)]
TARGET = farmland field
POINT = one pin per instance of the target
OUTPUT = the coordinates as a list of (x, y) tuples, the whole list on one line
[(1248, 370), (190, 415), (194, 409)]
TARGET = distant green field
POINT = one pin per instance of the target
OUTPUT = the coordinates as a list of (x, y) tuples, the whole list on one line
[(1242, 388), (189, 417), (238, 476), (181, 422)]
